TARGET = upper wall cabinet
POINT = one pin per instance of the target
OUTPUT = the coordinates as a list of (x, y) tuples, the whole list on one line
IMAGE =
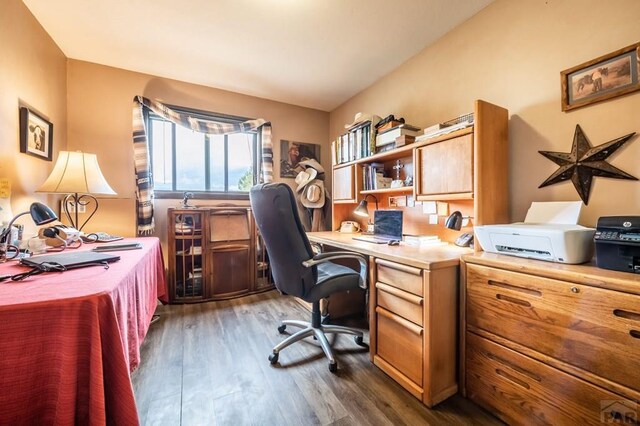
[(468, 164), (344, 184), (445, 168)]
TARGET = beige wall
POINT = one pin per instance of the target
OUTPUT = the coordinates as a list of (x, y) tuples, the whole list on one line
[(511, 54), (33, 74), (99, 107)]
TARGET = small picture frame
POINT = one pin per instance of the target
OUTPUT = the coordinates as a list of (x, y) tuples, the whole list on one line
[(36, 135), (606, 77)]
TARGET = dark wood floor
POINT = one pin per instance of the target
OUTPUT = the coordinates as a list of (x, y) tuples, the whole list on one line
[(207, 364)]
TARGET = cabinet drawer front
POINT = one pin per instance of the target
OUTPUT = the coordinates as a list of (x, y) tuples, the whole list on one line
[(229, 225), (404, 277), (407, 305), (399, 342), (591, 328), (446, 167), (523, 391), (343, 183)]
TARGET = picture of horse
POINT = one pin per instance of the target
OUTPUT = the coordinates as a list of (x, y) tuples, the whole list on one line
[(608, 76)]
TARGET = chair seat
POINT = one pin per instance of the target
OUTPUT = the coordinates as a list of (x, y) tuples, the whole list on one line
[(332, 278)]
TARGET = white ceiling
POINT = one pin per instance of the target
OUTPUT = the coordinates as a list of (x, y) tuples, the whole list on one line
[(313, 53)]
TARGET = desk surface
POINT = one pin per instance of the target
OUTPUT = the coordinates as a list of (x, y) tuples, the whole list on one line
[(426, 257), (70, 339)]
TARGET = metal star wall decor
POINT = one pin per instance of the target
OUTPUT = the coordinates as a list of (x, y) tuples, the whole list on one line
[(585, 162)]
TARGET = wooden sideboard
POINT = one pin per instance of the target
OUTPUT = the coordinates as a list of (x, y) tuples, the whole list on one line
[(547, 343), (215, 253)]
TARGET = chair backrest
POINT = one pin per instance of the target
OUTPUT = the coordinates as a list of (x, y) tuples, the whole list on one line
[(276, 215)]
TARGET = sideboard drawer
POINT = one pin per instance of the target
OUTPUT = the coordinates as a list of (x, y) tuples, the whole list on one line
[(524, 391), (400, 344), (407, 305), (595, 329), (404, 277)]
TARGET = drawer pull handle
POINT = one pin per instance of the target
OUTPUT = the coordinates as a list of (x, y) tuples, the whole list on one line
[(626, 314), (515, 288), (416, 329), (513, 366), (513, 300), (513, 379), (575, 290), (399, 267), (635, 334), (411, 298)]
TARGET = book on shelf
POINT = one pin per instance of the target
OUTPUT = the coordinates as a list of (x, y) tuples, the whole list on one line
[(458, 123), (390, 135), (358, 142)]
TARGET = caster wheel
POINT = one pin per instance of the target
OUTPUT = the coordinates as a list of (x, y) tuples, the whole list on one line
[(333, 367), (359, 341), (282, 328), (273, 358)]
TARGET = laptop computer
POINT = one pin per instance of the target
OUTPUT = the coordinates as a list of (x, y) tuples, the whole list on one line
[(70, 260), (387, 226)]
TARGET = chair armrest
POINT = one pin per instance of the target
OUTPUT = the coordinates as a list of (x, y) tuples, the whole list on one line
[(327, 257)]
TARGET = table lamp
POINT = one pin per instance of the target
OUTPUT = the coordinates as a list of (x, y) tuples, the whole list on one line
[(40, 213), (78, 175)]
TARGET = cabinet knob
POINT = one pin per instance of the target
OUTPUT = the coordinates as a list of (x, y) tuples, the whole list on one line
[(575, 290)]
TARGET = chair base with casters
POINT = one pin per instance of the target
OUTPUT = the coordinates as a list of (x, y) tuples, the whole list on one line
[(318, 330)]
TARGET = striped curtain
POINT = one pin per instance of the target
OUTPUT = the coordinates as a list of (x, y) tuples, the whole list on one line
[(144, 177)]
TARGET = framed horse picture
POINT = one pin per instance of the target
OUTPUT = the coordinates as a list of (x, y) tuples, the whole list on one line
[(36, 135), (606, 77)]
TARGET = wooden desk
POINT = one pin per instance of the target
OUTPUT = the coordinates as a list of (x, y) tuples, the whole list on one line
[(413, 312), (70, 339)]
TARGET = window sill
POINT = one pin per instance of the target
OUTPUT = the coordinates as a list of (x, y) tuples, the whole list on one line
[(178, 195)]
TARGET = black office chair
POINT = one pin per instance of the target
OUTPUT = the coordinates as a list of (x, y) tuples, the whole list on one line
[(296, 271)]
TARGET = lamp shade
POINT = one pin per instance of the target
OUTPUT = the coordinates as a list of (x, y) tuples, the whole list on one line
[(76, 172), (362, 210), (42, 214), (454, 221)]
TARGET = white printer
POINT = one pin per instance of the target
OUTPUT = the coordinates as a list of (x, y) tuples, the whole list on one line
[(550, 232)]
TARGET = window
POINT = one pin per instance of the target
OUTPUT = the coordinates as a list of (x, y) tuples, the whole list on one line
[(210, 166)]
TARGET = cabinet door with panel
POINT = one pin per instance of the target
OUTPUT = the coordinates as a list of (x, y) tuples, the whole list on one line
[(344, 184), (445, 168)]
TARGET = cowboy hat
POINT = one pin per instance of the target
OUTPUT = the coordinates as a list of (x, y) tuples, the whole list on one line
[(361, 117), (304, 177), (313, 195), (313, 164)]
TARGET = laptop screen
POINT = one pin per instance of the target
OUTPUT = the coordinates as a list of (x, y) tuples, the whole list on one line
[(388, 223)]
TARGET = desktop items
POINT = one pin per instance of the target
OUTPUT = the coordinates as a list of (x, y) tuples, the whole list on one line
[(78, 175), (387, 226), (363, 211), (617, 241)]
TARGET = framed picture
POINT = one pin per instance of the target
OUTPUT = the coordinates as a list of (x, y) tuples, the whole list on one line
[(606, 77), (291, 153), (36, 135)]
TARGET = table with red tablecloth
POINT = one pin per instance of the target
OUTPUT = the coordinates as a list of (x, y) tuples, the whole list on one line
[(69, 340)]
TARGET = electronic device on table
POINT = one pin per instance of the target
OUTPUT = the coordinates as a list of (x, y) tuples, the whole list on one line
[(72, 260), (100, 237), (617, 241), (349, 227), (387, 226)]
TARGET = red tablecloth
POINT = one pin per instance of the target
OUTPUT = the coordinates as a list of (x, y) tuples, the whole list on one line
[(69, 340)]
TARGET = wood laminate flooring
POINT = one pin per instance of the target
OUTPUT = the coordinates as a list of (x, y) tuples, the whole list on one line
[(206, 364)]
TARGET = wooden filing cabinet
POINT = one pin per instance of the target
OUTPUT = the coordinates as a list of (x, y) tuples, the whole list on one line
[(549, 343), (413, 327)]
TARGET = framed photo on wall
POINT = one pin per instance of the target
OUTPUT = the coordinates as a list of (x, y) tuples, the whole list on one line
[(292, 152), (36, 135), (606, 77)]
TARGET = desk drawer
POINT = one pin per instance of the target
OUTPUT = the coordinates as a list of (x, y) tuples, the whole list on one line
[(591, 328), (400, 344), (524, 391), (407, 305), (404, 277)]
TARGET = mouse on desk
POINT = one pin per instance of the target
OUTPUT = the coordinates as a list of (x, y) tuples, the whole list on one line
[(394, 242)]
